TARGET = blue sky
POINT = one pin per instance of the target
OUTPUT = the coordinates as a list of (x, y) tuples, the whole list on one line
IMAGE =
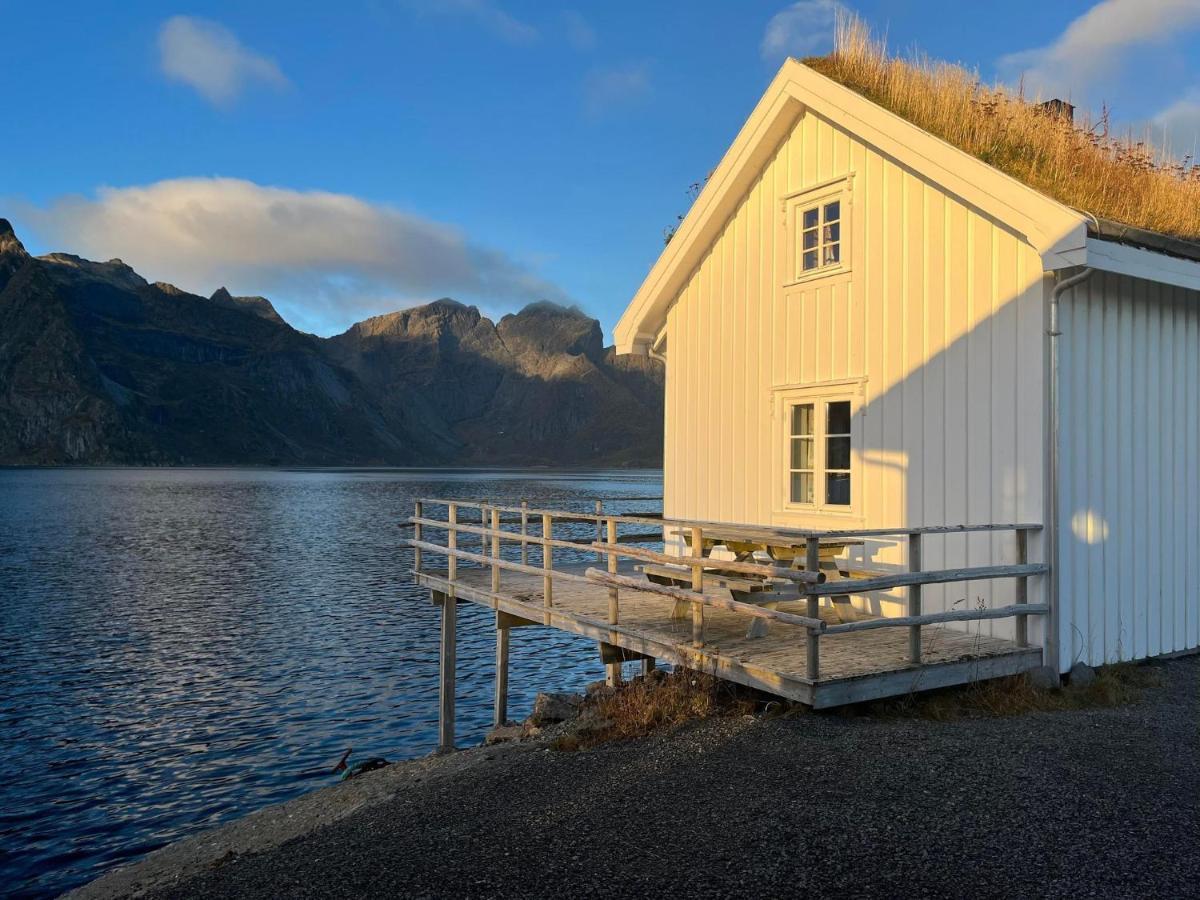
[(353, 158)]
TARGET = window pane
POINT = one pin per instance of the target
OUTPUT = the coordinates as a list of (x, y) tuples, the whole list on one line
[(810, 218), (802, 453), (832, 254), (837, 453), (810, 239), (837, 489), (802, 419), (838, 421), (810, 260), (802, 487), (832, 233), (833, 211)]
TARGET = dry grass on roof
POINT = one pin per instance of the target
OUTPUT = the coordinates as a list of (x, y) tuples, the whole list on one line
[(1080, 165)]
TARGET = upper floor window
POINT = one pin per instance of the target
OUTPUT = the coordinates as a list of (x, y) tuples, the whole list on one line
[(817, 226)]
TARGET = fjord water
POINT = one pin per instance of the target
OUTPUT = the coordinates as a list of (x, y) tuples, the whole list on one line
[(181, 646)]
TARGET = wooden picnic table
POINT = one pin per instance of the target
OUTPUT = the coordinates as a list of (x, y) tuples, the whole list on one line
[(743, 542)]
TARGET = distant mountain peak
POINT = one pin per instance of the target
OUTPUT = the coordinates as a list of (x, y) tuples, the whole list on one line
[(10, 244), (260, 306)]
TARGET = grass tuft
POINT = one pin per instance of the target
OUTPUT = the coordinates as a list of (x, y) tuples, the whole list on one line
[(1115, 685), (643, 706), (1116, 177)]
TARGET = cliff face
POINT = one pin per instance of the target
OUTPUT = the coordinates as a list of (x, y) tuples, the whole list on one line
[(99, 366), (538, 388)]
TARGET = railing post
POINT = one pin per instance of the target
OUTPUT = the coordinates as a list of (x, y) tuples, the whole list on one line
[(448, 659), (524, 532), (1022, 624), (483, 522), (914, 597), (451, 544), (547, 565), (418, 513), (599, 527), (495, 550), (613, 676), (698, 587), (812, 562)]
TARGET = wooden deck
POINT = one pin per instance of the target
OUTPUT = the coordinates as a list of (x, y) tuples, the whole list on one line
[(863, 665)]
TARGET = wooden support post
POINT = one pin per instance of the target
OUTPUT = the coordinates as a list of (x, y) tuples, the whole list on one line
[(500, 707), (448, 656), (547, 565), (647, 666), (1022, 623), (418, 513), (524, 532), (812, 562), (698, 587), (613, 670), (914, 598), (495, 551)]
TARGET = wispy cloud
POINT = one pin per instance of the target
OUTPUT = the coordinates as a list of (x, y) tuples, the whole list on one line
[(485, 13), (580, 33), (208, 56), (327, 258), (1179, 125), (1093, 45), (608, 88), (801, 29)]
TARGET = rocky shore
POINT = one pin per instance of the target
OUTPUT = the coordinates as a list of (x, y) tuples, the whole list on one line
[(1078, 802)]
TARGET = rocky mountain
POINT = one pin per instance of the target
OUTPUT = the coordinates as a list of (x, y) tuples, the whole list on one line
[(99, 366)]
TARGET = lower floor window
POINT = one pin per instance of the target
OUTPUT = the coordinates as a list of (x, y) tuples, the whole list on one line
[(820, 443)]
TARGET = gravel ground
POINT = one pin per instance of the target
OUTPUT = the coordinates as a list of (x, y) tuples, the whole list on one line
[(1073, 804)]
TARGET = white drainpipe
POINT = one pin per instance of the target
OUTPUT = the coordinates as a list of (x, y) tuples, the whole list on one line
[(1053, 624)]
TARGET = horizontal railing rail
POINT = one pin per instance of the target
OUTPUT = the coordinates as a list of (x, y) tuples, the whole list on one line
[(537, 529)]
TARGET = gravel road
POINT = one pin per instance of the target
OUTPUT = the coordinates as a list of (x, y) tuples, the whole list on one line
[(1072, 804)]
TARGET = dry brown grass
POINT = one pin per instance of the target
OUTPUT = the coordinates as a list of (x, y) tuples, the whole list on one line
[(1084, 166), (1114, 686), (643, 706)]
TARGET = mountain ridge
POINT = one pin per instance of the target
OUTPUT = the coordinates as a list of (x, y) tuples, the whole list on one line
[(99, 366)]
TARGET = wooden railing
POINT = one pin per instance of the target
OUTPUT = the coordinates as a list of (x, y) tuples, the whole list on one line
[(610, 546)]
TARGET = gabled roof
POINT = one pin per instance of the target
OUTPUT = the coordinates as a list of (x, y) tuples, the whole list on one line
[(1057, 232)]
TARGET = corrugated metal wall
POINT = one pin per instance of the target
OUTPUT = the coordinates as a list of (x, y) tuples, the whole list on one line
[(1129, 486), (941, 313)]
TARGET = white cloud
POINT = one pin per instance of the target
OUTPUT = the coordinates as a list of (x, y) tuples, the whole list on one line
[(1179, 125), (327, 258), (208, 57), (580, 33), (484, 13), (1091, 47), (801, 29), (604, 89)]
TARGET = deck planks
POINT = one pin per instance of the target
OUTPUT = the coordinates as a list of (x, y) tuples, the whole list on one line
[(855, 666)]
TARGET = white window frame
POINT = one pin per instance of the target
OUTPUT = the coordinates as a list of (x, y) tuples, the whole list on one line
[(818, 396), (817, 197)]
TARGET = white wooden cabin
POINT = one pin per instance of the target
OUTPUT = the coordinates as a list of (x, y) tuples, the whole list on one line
[(856, 319)]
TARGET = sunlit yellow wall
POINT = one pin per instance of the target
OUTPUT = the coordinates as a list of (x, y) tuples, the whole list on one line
[(942, 313), (1130, 476)]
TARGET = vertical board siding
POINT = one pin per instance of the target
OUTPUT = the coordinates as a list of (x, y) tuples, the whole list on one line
[(1128, 491), (941, 316)]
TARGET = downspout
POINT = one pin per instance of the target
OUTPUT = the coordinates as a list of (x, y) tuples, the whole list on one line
[(1050, 654)]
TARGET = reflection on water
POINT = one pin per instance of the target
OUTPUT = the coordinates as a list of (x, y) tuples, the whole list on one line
[(178, 647)]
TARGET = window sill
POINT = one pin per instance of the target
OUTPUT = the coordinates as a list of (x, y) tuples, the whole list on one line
[(817, 275)]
